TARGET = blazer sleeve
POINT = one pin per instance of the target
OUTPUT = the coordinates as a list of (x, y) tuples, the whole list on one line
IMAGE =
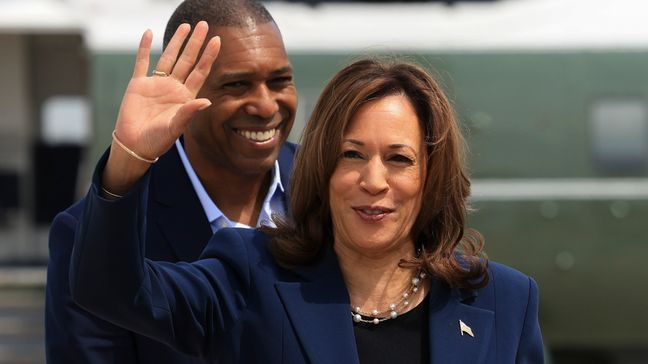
[(531, 348), (187, 306), (73, 335)]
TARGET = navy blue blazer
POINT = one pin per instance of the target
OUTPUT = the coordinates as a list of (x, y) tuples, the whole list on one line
[(235, 305), (177, 230)]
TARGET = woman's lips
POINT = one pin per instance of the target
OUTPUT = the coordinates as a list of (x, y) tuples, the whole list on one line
[(372, 213)]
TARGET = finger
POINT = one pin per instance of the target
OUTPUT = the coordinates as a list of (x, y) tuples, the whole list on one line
[(190, 53), (143, 54), (186, 112), (170, 54), (199, 74)]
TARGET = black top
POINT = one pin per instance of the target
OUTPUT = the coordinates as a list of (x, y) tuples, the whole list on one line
[(400, 340)]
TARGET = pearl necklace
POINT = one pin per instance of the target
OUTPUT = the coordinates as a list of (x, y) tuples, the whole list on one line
[(394, 309)]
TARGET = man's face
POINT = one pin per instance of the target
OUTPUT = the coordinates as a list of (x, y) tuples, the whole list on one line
[(253, 103)]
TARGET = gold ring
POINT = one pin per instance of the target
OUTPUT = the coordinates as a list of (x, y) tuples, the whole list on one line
[(160, 73)]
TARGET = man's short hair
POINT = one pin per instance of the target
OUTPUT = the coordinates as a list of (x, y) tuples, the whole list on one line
[(218, 13)]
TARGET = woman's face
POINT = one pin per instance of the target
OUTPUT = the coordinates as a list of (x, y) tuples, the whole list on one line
[(375, 190)]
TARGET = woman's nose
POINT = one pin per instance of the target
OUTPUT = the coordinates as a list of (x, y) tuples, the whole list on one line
[(374, 177)]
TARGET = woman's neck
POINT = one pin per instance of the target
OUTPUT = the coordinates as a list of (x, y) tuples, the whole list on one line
[(376, 282)]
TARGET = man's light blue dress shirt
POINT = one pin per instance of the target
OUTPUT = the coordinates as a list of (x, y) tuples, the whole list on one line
[(272, 204)]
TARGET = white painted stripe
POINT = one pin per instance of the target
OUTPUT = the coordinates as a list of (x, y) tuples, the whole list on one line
[(23, 276), (356, 27), (559, 189)]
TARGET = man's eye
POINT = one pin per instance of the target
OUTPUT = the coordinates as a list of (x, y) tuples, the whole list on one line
[(280, 82), (234, 85), (351, 154)]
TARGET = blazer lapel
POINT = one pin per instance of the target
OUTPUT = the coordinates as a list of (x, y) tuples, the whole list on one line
[(448, 309), (175, 209), (285, 159), (318, 310)]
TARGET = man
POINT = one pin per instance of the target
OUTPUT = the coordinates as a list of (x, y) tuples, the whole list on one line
[(230, 168)]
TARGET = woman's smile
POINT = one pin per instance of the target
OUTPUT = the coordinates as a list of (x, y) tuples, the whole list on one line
[(373, 213)]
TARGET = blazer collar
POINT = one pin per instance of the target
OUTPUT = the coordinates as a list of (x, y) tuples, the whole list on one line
[(175, 208), (319, 311), (285, 159)]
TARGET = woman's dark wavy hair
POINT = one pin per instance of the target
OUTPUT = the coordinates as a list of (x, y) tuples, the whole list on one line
[(439, 229)]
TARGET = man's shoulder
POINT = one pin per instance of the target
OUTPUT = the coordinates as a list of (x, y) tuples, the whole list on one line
[(169, 179), (290, 147), (169, 162), (287, 154)]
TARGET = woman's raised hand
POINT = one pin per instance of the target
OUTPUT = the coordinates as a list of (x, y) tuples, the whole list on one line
[(156, 109)]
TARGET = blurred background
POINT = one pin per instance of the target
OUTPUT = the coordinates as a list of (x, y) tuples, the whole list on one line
[(552, 95)]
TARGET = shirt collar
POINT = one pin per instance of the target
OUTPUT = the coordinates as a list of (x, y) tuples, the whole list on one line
[(214, 215)]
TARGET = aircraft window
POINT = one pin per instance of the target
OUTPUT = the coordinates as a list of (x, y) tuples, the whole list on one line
[(619, 131)]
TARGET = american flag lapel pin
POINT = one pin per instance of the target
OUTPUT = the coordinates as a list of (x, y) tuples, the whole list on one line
[(465, 329)]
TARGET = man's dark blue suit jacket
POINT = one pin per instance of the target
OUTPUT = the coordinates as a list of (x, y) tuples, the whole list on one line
[(235, 305), (177, 230)]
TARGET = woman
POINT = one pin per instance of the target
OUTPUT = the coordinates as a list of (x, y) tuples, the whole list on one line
[(374, 265)]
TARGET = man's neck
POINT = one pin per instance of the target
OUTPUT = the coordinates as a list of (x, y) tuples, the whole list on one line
[(237, 195), (242, 203)]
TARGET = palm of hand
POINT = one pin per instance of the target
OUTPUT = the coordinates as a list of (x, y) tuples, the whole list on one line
[(147, 111), (156, 109)]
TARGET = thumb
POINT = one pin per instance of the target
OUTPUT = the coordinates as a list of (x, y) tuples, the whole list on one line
[(184, 114)]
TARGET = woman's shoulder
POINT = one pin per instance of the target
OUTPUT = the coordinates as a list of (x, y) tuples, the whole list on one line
[(238, 234), (237, 242), (507, 287), (501, 274), (513, 298), (245, 250)]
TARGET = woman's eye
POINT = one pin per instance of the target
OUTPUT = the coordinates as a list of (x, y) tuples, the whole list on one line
[(351, 154), (399, 158)]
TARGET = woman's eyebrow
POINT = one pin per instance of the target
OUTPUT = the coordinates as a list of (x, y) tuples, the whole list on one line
[(391, 146), (399, 146), (353, 141)]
